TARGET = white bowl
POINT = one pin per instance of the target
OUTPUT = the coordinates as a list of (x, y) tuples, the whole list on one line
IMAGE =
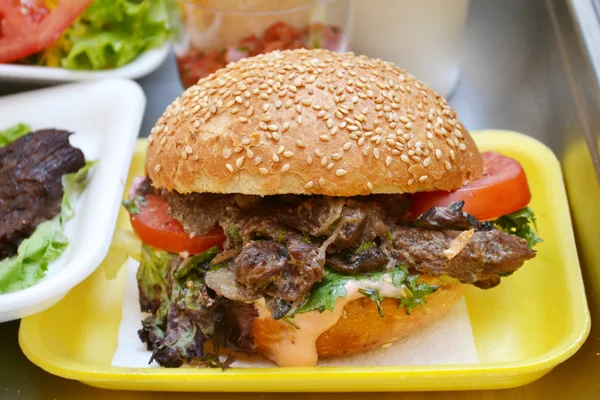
[(144, 64), (106, 118)]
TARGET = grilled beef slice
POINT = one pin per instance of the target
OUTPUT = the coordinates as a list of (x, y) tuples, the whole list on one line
[(488, 255), (31, 169)]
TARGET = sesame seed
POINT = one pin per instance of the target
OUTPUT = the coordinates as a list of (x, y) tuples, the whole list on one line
[(285, 126), (452, 154), (309, 159), (426, 162), (226, 153), (336, 156), (273, 127), (288, 154), (258, 159), (163, 140), (245, 142), (300, 144), (264, 96), (352, 128), (376, 153), (229, 167), (447, 165), (462, 146), (388, 161), (249, 153), (243, 120), (369, 186), (322, 182), (237, 149), (324, 161), (438, 153), (299, 119), (275, 157), (333, 130), (188, 149), (329, 123), (239, 161), (263, 171), (280, 149), (341, 172), (309, 185), (324, 138), (423, 178), (347, 146), (157, 168), (285, 168), (405, 158)]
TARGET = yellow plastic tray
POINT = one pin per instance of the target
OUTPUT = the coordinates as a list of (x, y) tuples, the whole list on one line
[(534, 320)]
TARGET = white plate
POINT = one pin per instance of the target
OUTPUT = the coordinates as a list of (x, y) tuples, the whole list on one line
[(144, 64), (106, 118)]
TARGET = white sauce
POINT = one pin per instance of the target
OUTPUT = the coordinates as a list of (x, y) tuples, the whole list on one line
[(298, 348)]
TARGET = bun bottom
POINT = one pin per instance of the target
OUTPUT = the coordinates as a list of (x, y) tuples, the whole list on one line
[(360, 327)]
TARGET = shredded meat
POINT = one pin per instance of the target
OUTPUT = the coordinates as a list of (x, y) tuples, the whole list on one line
[(314, 216), (488, 255), (278, 245), (370, 260), (260, 264), (451, 217), (199, 212), (31, 170)]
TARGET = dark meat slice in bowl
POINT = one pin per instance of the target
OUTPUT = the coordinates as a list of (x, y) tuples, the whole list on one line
[(31, 171)]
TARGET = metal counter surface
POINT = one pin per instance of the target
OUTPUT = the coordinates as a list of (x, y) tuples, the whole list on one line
[(524, 69)]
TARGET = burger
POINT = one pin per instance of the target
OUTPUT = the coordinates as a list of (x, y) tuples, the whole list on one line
[(307, 204)]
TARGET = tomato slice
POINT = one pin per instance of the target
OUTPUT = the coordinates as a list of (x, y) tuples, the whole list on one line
[(154, 226), (503, 189), (27, 27)]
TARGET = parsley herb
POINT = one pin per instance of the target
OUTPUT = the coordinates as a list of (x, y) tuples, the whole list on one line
[(520, 223), (234, 233), (364, 246), (133, 205), (325, 293), (375, 297)]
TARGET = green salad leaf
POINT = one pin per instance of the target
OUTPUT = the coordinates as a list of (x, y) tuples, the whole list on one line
[(108, 34), (520, 223), (324, 294), (12, 133), (48, 241), (152, 277)]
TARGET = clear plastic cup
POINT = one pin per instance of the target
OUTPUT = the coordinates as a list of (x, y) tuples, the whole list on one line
[(212, 33)]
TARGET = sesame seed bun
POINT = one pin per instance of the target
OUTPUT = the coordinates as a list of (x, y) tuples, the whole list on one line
[(311, 122), (361, 328)]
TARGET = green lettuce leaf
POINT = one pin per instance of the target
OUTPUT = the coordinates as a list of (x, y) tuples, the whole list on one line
[(324, 294), (520, 223), (108, 34), (45, 244), (152, 277), (12, 133)]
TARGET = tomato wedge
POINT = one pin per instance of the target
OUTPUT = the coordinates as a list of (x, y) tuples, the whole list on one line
[(154, 226), (503, 189), (27, 27)]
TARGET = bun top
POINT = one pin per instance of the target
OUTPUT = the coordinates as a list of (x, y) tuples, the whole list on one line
[(310, 122)]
